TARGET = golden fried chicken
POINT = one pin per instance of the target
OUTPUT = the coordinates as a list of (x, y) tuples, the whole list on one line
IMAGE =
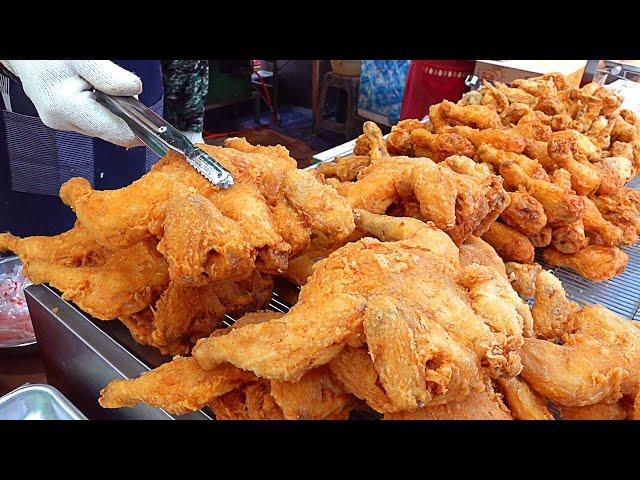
[(507, 140), (399, 140), (484, 404), (541, 239), (522, 401), (524, 213), (560, 205), (516, 95), (459, 196), (605, 232), (124, 283), (594, 262), (551, 308), (569, 238), (598, 361), (271, 205), (510, 244), (358, 307), (74, 248), (476, 250), (438, 146), (597, 411), (496, 157), (475, 116), (523, 277), (179, 386)]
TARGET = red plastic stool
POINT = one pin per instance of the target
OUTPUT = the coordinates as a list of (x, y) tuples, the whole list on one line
[(431, 81)]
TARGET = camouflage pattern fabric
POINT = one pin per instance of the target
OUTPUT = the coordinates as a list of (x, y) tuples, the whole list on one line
[(186, 84)]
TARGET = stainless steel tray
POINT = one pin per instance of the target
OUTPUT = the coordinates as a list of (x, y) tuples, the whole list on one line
[(81, 354), (37, 402)]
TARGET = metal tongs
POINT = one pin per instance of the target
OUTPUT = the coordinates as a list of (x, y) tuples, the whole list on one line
[(158, 134)]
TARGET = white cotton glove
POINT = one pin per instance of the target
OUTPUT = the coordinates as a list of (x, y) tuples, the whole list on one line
[(61, 92)]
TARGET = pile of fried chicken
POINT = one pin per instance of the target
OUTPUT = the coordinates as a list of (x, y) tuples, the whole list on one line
[(564, 154), (406, 309), (405, 324)]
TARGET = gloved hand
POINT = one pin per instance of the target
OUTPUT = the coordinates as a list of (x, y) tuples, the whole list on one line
[(61, 92)]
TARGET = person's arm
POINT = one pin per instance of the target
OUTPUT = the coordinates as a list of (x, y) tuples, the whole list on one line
[(61, 92)]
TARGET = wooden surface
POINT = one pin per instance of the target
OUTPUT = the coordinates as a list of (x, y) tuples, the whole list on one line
[(20, 369)]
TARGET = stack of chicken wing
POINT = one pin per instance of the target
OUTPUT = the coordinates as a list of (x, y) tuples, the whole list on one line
[(565, 155)]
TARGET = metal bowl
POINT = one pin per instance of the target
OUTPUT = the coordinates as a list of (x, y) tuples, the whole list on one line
[(23, 347)]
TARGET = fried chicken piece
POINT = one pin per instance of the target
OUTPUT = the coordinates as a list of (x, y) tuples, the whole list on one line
[(399, 140), (183, 315), (371, 143), (561, 178), (345, 168), (598, 361), (524, 213), (607, 233), (600, 131), (610, 101), (507, 140), (74, 248), (522, 401), (510, 244), (200, 243), (494, 98), (514, 112), (560, 205), (317, 396), (594, 262), (620, 210), (537, 86), (252, 401), (597, 411), (124, 283), (570, 375), (623, 131), (538, 151), (476, 250), (475, 116), (459, 196), (551, 308), (438, 146), (516, 95), (496, 157), (585, 179), (614, 173), (553, 106), (532, 126), (179, 386), (483, 404), (542, 239), (493, 298), (342, 295), (523, 277), (558, 79), (621, 149), (119, 218), (561, 122), (569, 238), (267, 182), (354, 368)]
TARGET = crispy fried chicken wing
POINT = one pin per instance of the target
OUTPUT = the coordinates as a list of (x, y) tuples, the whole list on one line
[(594, 262)]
